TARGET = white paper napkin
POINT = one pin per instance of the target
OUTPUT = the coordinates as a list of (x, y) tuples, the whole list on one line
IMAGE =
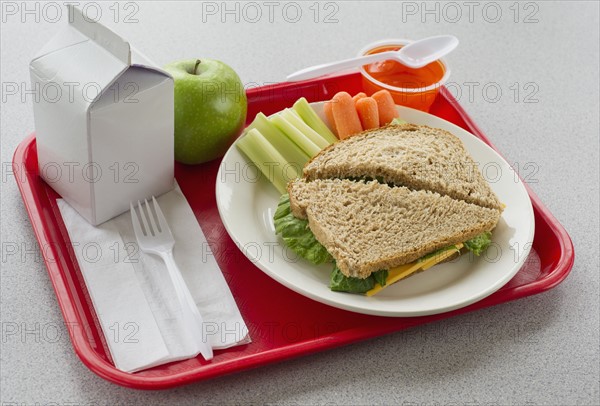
[(133, 295)]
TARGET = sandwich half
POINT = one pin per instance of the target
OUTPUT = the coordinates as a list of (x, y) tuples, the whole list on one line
[(371, 228), (418, 157)]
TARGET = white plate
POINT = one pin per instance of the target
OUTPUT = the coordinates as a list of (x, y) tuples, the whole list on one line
[(247, 202)]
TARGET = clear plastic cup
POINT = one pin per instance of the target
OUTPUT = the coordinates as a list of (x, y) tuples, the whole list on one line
[(416, 88)]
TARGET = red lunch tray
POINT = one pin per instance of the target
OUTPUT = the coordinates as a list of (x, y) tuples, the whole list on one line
[(278, 329)]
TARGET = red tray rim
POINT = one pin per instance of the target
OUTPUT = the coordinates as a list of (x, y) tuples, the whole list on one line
[(104, 369)]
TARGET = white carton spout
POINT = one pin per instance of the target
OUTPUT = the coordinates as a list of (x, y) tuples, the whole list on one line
[(98, 33), (108, 139)]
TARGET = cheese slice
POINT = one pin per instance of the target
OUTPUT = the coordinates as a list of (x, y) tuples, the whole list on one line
[(403, 271)]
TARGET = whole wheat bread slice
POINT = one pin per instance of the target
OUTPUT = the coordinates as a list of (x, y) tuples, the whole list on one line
[(418, 157), (367, 226)]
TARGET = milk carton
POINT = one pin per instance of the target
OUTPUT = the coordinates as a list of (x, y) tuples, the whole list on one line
[(104, 120)]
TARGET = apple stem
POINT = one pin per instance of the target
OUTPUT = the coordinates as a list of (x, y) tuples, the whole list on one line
[(196, 66)]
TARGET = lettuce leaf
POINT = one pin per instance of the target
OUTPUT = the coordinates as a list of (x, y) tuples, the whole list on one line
[(297, 235), (380, 276), (479, 243), (342, 283)]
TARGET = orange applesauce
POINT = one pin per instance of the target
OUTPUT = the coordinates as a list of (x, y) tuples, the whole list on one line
[(395, 74), (402, 80)]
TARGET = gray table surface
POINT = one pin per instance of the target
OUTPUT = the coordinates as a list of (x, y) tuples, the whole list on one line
[(538, 350)]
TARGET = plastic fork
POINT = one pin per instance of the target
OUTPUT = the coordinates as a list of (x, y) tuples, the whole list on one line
[(154, 237)]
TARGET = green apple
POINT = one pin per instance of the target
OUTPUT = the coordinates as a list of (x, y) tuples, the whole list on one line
[(210, 108)]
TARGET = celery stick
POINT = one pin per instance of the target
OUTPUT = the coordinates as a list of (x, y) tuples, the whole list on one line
[(398, 121), (270, 162), (295, 135), (296, 121), (290, 151), (310, 117)]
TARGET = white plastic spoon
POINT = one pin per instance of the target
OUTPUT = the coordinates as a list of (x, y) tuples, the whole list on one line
[(414, 55)]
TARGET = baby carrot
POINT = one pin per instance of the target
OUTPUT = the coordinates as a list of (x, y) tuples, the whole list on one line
[(386, 107), (327, 108), (345, 115), (368, 113), (358, 96)]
